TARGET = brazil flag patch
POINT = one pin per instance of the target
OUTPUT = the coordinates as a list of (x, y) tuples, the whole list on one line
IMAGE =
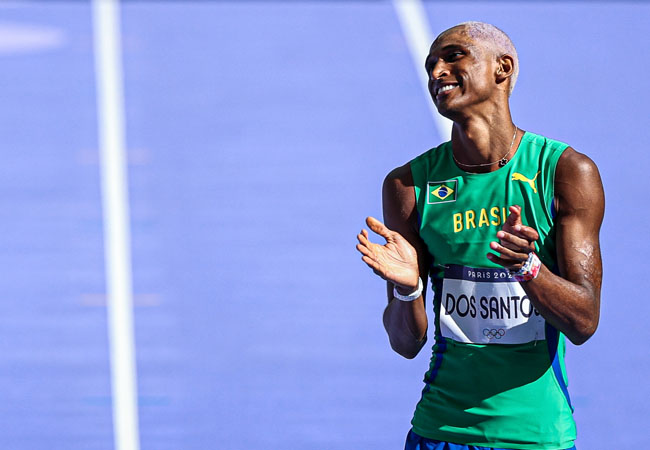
[(441, 191)]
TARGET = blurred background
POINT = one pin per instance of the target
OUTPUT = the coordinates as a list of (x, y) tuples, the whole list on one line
[(257, 138)]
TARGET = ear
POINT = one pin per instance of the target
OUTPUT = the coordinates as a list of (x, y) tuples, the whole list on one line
[(505, 68)]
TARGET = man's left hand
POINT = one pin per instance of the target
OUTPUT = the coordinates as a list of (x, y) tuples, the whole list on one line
[(516, 241)]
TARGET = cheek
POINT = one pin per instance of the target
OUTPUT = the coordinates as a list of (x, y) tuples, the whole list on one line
[(479, 78)]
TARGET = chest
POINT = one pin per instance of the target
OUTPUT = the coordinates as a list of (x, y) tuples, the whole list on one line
[(461, 215)]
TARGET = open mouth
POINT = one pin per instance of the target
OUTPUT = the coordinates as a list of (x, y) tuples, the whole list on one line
[(445, 89)]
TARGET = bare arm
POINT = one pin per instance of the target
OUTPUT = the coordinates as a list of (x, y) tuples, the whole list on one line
[(571, 301), (400, 261)]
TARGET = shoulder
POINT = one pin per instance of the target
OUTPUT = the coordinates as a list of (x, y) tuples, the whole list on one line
[(568, 167), (544, 145), (399, 179), (569, 162), (576, 168), (577, 183), (398, 192), (400, 182), (406, 176), (398, 198)]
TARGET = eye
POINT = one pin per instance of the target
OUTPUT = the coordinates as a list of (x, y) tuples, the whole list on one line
[(453, 56)]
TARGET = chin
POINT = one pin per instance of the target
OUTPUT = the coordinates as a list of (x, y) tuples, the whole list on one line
[(454, 110), (448, 111)]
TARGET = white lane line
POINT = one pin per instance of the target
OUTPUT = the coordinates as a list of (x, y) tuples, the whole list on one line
[(117, 245), (417, 31)]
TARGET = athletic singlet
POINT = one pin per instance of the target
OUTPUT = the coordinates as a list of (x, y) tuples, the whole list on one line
[(497, 376)]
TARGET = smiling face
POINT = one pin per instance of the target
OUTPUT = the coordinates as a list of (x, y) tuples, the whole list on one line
[(461, 73)]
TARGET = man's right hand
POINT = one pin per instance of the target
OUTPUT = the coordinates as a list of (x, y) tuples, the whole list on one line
[(396, 261)]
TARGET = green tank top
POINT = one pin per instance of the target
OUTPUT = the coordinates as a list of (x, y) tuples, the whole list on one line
[(497, 376)]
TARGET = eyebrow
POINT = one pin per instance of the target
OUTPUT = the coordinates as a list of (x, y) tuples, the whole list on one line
[(451, 46), (443, 50), (446, 48)]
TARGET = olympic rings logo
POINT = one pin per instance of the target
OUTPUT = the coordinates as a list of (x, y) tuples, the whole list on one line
[(494, 333)]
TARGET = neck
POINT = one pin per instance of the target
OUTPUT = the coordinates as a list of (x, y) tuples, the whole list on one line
[(483, 139)]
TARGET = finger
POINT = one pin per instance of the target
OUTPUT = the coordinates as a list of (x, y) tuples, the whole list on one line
[(515, 216), (506, 263), (507, 253), (510, 240), (365, 250), (363, 238), (378, 227), (526, 232), (369, 251), (512, 246), (374, 265)]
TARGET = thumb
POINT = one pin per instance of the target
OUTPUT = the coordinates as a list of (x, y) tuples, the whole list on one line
[(515, 216), (378, 227)]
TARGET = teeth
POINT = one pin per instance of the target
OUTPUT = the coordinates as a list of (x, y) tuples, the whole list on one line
[(446, 88)]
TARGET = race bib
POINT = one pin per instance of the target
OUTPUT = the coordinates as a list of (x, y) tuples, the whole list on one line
[(487, 306)]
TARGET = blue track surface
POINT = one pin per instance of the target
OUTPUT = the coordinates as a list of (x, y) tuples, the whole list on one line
[(258, 137)]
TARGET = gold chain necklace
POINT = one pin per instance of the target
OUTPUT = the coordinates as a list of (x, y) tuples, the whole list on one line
[(502, 161)]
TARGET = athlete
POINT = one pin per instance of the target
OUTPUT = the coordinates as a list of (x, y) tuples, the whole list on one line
[(505, 223)]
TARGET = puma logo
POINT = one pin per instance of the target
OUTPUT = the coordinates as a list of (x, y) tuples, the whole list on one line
[(519, 177)]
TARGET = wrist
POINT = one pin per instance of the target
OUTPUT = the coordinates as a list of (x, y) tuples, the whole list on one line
[(406, 290), (407, 294), (530, 270)]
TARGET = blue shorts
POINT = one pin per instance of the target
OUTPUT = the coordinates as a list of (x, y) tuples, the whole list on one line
[(417, 442)]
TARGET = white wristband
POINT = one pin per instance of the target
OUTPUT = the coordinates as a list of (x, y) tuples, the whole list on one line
[(412, 296)]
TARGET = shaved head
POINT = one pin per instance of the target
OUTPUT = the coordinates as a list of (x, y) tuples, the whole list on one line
[(490, 38)]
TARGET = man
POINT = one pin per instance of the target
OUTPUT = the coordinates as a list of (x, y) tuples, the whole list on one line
[(505, 223)]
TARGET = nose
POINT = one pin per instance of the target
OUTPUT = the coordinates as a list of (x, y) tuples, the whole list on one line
[(439, 69)]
